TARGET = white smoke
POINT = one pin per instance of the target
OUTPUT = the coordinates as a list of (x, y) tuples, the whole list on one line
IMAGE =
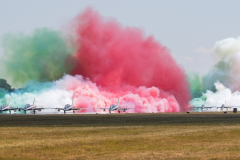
[(227, 47), (223, 95)]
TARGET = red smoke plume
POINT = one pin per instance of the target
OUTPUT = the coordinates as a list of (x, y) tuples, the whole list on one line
[(120, 58)]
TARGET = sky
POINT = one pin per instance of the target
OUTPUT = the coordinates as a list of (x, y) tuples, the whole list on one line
[(188, 28)]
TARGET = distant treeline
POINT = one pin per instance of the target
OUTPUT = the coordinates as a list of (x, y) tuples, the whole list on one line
[(5, 85)]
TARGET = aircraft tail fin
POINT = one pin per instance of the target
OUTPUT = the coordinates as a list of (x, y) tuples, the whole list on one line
[(72, 101), (118, 102)]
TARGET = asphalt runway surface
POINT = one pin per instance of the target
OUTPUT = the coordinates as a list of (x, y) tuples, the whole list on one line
[(126, 119)]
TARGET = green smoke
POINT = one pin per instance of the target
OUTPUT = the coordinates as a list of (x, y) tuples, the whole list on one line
[(221, 72), (26, 94), (196, 84), (2, 93), (39, 56), (197, 88)]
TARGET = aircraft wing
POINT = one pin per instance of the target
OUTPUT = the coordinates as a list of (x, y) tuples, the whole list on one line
[(124, 108), (38, 108), (211, 107), (233, 106), (104, 108), (57, 108), (226, 107), (12, 108), (78, 108)]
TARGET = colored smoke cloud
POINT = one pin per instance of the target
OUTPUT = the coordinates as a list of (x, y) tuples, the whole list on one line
[(48, 94), (226, 70), (121, 58), (222, 95), (88, 95), (40, 56), (221, 84), (106, 61), (196, 85)]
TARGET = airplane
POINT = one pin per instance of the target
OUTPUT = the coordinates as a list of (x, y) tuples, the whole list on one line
[(69, 107), (205, 107), (225, 106), (115, 107), (32, 107), (7, 108)]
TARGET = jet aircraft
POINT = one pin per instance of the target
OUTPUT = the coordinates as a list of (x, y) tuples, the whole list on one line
[(225, 106), (205, 107), (7, 108), (69, 107), (32, 107), (115, 107)]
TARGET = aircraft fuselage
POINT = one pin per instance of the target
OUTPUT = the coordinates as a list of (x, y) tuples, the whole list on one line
[(5, 108)]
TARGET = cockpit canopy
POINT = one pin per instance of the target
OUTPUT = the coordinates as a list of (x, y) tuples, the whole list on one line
[(112, 106), (3, 106), (67, 106), (27, 105)]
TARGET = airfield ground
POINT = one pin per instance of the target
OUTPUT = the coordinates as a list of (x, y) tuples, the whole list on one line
[(121, 136)]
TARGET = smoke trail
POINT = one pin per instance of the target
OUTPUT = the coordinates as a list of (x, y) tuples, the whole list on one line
[(122, 59), (224, 73), (196, 86), (110, 62), (40, 56), (88, 95), (222, 95), (47, 94), (226, 70)]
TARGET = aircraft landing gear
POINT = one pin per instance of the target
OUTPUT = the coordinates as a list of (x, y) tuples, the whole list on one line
[(34, 111), (109, 111), (9, 112), (64, 112), (73, 111), (118, 111), (25, 111)]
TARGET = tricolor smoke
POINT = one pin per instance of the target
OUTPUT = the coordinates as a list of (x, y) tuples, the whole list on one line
[(109, 61), (221, 84)]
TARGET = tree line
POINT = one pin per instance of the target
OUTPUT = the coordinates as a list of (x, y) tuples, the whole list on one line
[(5, 85)]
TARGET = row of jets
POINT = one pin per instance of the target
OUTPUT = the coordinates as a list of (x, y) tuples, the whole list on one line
[(67, 107), (221, 107)]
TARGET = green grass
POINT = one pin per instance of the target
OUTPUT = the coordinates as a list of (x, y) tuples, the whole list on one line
[(121, 136)]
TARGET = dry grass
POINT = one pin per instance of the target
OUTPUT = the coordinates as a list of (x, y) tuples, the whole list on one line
[(120, 136)]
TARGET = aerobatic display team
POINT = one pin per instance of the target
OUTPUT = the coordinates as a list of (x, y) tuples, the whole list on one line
[(97, 65)]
